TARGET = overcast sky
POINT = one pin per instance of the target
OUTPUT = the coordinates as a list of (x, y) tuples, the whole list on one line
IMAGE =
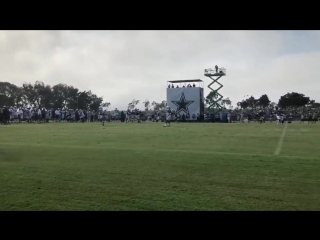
[(126, 65)]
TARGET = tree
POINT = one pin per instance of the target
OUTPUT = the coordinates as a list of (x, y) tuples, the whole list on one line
[(272, 104), (95, 101), (58, 96), (65, 96), (252, 102), (225, 102), (211, 99), (87, 99), (10, 94), (315, 105), (159, 106), (146, 105), (46, 95), (133, 104), (106, 104), (122, 116), (37, 94), (72, 94), (154, 104), (293, 100), (264, 100), (243, 104), (309, 104)]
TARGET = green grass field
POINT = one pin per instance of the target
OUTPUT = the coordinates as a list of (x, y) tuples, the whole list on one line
[(120, 166)]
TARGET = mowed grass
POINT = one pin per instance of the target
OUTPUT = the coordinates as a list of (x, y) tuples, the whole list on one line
[(61, 166)]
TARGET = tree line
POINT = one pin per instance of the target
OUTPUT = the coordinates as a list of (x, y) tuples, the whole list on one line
[(62, 95), (288, 100), (40, 94)]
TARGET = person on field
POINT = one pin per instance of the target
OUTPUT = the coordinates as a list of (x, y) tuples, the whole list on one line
[(168, 116), (6, 115), (39, 115)]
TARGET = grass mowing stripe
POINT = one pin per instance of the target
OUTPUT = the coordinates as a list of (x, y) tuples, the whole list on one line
[(106, 148), (279, 146)]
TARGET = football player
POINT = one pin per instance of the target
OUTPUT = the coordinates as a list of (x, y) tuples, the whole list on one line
[(168, 116)]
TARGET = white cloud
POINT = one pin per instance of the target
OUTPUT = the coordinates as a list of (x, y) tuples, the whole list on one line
[(126, 65)]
